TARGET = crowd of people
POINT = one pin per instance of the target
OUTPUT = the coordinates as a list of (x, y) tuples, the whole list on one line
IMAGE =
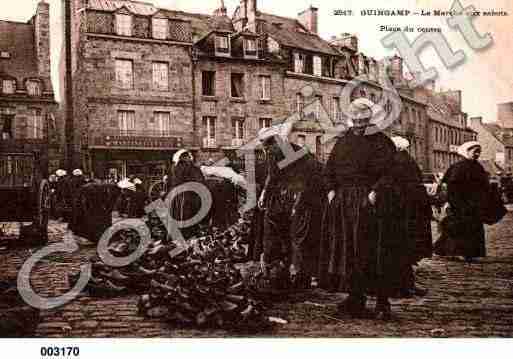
[(361, 223), (358, 223)]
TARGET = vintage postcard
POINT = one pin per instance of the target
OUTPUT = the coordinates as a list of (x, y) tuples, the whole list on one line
[(255, 169)]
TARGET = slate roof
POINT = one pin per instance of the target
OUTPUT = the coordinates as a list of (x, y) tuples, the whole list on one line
[(135, 7), (289, 32), (18, 40)]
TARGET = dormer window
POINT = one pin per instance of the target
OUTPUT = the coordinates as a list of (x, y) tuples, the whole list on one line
[(317, 65), (250, 48), (8, 87), (34, 88), (124, 24), (160, 28), (299, 63), (222, 45)]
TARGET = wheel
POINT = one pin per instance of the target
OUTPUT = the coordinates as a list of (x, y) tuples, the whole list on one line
[(155, 190), (43, 209)]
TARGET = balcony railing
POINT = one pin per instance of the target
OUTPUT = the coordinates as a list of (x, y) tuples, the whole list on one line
[(209, 142)]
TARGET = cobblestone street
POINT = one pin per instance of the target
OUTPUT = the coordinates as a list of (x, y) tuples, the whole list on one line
[(463, 300)]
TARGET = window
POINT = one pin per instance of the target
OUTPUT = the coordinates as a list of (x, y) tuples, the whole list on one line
[(317, 66), (299, 63), (208, 83), (300, 103), (124, 24), (162, 123), (265, 122), (34, 88), (250, 47), (238, 128), (237, 85), (8, 86), (318, 106), (6, 120), (161, 76), (222, 44), (159, 28), (265, 84), (209, 131), (301, 140), (126, 122), (36, 127), (335, 111), (124, 74)]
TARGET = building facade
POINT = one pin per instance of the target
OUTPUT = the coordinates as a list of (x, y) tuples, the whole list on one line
[(496, 142), (27, 103), (142, 82)]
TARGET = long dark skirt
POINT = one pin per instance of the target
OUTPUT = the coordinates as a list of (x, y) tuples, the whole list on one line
[(359, 251), (462, 234), (289, 227), (418, 221)]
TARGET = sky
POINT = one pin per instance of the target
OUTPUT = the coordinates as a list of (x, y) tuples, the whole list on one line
[(485, 77)]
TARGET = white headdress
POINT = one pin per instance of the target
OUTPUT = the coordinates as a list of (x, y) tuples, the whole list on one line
[(61, 173), (178, 154), (400, 143), (77, 172), (126, 184), (137, 181), (464, 148)]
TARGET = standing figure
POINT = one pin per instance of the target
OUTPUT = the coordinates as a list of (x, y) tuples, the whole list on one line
[(414, 216), (74, 186), (52, 181), (356, 254), (467, 186), (63, 205), (186, 204), (138, 199), (291, 198)]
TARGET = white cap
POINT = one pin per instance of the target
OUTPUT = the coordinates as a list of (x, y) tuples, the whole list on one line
[(463, 149), (126, 184), (400, 143), (61, 173), (137, 181), (178, 154), (77, 172)]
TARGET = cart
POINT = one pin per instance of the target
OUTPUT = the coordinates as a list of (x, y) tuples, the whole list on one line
[(24, 192)]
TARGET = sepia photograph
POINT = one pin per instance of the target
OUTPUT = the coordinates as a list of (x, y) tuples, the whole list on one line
[(255, 169)]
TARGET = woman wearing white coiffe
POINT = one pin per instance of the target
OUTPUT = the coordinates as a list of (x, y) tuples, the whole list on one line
[(187, 204), (414, 222), (467, 186)]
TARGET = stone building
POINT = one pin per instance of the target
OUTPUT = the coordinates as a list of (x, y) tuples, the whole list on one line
[(142, 82), (448, 127), (131, 80), (505, 114), (496, 142), (27, 103)]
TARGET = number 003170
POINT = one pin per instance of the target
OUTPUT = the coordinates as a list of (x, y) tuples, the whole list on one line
[(60, 351)]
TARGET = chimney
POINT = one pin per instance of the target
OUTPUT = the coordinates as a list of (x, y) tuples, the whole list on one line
[(345, 40), (221, 10), (310, 19), (476, 121), (41, 23), (252, 15), (396, 68)]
